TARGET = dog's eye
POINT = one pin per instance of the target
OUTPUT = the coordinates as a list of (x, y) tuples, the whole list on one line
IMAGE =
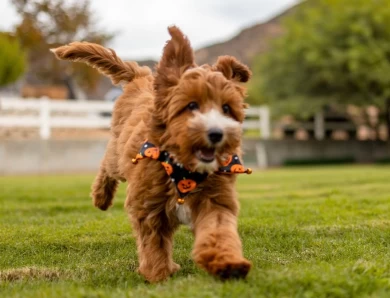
[(226, 109), (192, 106)]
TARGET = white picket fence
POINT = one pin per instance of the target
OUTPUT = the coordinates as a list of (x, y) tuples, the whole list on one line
[(47, 114)]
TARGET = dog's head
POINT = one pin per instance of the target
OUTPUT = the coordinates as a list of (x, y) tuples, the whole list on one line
[(200, 107)]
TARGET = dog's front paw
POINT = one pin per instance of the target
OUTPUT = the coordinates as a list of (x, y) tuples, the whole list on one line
[(223, 265), (233, 269), (174, 268), (154, 275)]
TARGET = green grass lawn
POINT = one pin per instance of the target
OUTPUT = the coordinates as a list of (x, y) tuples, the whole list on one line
[(310, 232)]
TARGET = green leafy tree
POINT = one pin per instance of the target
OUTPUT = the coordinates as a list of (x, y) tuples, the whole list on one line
[(12, 60), (49, 23), (333, 52)]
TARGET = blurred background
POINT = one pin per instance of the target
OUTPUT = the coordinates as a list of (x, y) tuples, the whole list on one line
[(320, 92)]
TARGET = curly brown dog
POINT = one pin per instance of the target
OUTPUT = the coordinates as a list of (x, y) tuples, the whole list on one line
[(191, 117)]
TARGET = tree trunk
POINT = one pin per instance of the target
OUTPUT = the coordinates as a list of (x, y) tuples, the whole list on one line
[(387, 113)]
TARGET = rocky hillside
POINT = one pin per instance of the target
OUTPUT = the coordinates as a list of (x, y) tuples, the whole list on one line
[(247, 44)]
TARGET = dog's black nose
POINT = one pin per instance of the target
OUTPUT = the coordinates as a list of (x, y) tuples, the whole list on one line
[(215, 135)]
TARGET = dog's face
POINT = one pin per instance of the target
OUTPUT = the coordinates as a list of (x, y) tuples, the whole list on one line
[(204, 116), (202, 108)]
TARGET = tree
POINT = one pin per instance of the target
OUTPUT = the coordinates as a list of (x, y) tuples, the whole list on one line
[(12, 60), (333, 52), (49, 23)]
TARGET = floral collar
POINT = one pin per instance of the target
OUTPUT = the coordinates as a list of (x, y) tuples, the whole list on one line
[(186, 181)]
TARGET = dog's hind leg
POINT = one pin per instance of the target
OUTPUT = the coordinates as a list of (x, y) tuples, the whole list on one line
[(103, 189)]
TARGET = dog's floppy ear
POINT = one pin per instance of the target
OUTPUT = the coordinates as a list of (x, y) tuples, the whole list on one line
[(177, 57), (232, 69)]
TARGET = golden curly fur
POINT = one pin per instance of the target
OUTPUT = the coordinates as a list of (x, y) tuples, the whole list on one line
[(175, 109)]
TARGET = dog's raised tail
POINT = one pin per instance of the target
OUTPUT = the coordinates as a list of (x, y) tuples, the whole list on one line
[(104, 60), (103, 189)]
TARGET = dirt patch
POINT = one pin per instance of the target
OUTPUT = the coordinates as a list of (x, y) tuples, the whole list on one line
[(26, 273)]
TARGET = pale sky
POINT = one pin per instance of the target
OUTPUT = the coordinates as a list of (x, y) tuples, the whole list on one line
[(141, 25)]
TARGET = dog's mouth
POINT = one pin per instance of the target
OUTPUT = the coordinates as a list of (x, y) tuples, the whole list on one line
[(206, 154)]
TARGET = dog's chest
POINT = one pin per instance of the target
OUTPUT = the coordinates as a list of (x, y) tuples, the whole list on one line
[(183, 214)]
